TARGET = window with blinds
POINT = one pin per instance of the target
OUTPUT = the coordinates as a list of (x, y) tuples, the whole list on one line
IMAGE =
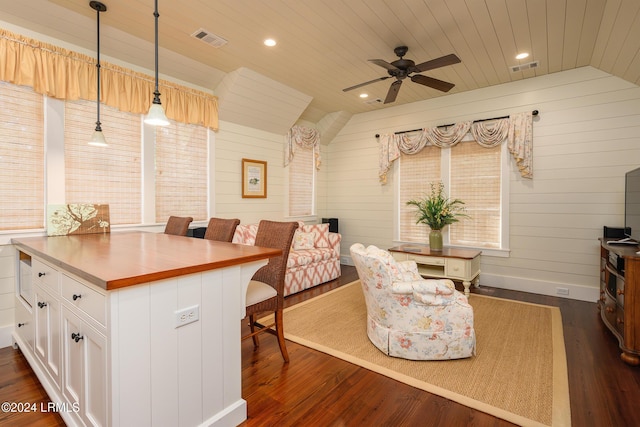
[(111, 175), (181, 171), (301, 183), (417, 171), (476, 180), (474, 177), (21, 158)]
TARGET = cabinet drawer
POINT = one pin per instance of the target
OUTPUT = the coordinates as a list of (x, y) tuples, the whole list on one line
[(86, 299), (44, 274), (427, 260), (457, 268)]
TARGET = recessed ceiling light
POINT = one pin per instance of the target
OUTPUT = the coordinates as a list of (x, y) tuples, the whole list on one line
[(270, 42), (364, 95), (522, 55)]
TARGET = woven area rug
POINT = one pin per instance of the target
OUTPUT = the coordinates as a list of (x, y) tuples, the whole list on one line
[(518, 374)]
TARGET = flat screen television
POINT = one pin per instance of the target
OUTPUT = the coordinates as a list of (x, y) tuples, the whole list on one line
[(632, 204)]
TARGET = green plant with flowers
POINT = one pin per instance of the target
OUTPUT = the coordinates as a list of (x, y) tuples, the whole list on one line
[(436, 210)]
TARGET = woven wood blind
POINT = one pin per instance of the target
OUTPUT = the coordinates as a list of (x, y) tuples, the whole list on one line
[(21, 158), (181, 171), (111, 174), (476, 180), (301, 183), (417, 171)]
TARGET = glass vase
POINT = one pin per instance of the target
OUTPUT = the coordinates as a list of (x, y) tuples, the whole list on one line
[(435, 240)]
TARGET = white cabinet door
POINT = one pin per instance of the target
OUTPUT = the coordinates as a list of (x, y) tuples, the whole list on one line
[(24, 322), (47, 332), (85, 368)]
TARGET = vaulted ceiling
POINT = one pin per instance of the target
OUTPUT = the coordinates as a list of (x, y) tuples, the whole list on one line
[(323, 46)]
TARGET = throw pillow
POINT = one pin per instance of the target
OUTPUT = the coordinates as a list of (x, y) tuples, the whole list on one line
[(302, 240), (321, 232)]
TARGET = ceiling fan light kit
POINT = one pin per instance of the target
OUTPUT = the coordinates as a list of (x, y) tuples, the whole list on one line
[(402, 68)]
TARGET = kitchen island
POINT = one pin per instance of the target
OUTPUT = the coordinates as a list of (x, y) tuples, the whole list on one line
[(134, 328)]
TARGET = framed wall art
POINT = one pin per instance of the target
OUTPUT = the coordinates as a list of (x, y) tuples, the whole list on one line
[(254, 178)]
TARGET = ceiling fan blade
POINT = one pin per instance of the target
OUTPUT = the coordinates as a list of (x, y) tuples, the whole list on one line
[(365, 83), (431, 82), (393, 92), (436, 63), (383, 64)]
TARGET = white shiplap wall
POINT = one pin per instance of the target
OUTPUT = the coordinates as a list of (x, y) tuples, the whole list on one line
[(232, 144), (586, 137)]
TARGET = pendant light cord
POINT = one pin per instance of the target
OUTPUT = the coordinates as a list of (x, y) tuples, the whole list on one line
[(98, 127), (156, 93)]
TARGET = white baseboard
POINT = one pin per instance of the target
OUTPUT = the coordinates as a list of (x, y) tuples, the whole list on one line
[(577, 292)]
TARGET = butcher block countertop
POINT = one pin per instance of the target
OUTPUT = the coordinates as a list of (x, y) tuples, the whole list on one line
[(119, 259)]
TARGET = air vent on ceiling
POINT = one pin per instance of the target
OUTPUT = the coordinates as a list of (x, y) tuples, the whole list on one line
[(373, 101), (522, 67), (209, 38)]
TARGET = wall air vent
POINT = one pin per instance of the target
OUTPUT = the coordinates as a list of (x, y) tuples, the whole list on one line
[(209, 38), (522, 67)]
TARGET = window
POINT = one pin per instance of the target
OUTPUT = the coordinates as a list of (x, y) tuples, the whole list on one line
[(110, 175), (416, 172), (471, 173), (476, 180), (21, 158), (301, 183), (181, 171)]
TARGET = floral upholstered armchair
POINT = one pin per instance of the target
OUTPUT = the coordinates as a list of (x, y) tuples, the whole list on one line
[(411, 317)]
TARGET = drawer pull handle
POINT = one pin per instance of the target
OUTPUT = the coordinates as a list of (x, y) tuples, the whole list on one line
[(20, 325), (42, 304), (41, 274), (76, 296), (620, 292), (76, 337), (610, 310)]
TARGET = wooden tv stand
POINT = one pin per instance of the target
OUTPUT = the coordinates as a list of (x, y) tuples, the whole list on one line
[(619, 302), (449, 263)]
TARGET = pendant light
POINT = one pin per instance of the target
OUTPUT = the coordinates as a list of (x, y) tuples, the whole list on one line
[(156, 116), (97, 139)]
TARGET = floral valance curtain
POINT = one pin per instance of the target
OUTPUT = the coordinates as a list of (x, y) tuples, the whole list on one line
[(517, 130), (300, 136), (64, 74)]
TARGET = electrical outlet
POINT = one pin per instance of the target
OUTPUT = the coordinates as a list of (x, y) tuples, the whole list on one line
[(187, 315), (562, 291)]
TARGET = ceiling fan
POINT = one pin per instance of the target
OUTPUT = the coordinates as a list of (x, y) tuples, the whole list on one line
[(402, 68)]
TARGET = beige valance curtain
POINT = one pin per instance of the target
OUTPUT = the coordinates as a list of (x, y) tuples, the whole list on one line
[(64, 74), (304, 137), (517, 130)]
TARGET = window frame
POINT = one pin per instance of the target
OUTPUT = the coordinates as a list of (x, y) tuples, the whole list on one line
[(54, 169), (445, 156)]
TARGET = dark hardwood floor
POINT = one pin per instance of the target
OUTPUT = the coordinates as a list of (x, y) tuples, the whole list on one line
[(319, 390)]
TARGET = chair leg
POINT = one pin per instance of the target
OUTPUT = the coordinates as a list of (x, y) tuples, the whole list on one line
[(280, 334), (252, 326)]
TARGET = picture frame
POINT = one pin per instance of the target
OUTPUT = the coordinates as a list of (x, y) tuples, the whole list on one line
[(254, 179)]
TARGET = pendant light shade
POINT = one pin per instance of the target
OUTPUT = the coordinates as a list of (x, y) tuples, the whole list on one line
[(97, 139), (156, 116)]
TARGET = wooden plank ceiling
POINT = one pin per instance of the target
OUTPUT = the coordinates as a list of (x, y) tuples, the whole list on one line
[(324, 45)]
